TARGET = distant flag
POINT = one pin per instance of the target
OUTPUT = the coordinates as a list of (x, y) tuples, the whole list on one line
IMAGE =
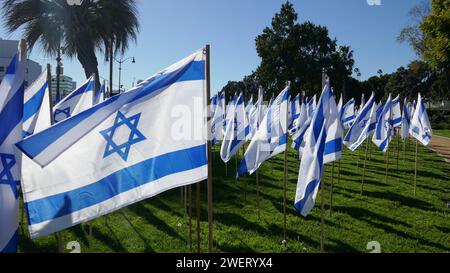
[(374, 119), (250, 106), (100, 95), (119, 152), (11, 114), (78, 101), (217, 124), (396, 112), (348, 114), (236, 131), (420, 124), (311, 106), (363, 102), (359, 132), (324, 140), (340, 104), (270, 138), (256, 114), (303, 123), (384, 130), (406, 120), (36, 98), (295, 113)]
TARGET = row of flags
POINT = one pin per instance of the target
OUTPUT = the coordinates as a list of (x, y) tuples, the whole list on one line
[(317, 131), (91, 155)]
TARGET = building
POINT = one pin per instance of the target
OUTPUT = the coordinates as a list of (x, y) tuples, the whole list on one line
[(66, 86), (8, 48)]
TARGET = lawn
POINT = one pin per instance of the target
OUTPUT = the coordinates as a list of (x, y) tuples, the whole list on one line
[(444, 133), (387, 213)]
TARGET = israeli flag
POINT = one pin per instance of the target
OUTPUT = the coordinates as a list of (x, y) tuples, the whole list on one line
[(375, 117), (79, 100), (320, 142), (37, 97), (236, 131), (271, 136), (256, 115), (363, 101), (100, 95), (217, 124), (396, 112), (11, 115), (298, 139), (384, 130), (294, 113), (340, 105), (359, 132), (127, 149), (348, 114), (250, 106), (406, 120), (420, 124), (311, 106)]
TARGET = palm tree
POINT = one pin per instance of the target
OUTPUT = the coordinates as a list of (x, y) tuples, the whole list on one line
[(80, 30)]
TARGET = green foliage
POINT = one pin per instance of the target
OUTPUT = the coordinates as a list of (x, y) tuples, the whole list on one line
[(436, 29), (296, 52), (388, 212), (80, 29)]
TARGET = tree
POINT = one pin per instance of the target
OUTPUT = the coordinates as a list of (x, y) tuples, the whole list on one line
[(297, 53), (79, 29), (436, 29)]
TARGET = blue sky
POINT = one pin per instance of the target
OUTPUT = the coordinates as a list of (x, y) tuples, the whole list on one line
[(172, 29)]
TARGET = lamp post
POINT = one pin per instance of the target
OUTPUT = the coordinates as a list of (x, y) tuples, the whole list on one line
[(120, 69)]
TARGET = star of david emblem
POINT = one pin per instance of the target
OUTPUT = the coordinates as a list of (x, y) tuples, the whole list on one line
[(65, 112), (8, 161), (122, 123)]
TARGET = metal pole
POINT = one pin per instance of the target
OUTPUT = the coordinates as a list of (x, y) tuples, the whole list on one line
[(58, 74), (286, 173), (322, 189), (398, 150), (257, 195), (209, 144), (197, 206), (120, 77), (364, 169), (415, 168), (111, 67), (190, 219), (387, 166), (332, 189)]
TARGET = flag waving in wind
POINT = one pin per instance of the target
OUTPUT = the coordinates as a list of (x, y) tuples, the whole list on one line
[(127, 149), (11, 115), (359, 132), (384, 130), (323, 145), (76, 102), (420, 124), (406, 120)]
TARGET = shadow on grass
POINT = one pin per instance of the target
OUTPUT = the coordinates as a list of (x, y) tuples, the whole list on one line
[(234, 220), (110, 241)]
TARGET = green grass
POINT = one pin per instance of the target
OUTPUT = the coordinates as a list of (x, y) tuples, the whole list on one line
[(443, 133), (387, 213)]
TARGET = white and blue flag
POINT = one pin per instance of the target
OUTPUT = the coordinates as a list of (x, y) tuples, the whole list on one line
[(420, 124), (323, 145), (256, 115), (406, 119), (218, 120), (340, 105), (100, 95), (360, 130), (384, 130), (375, 117), (11, 115), (298, 139), (396, 112), (348, 114), (236, 131), (127, 149), (76, 102), (271, 137), (37, 97), (294, 113)]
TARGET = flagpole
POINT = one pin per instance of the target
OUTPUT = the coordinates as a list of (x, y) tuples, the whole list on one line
[(332, 189), (285, 173), (198, 211), (209, 182), (415, 168), (322, 190), (387, 165), (190, 219), (364, 169), (398, 149), (257, 195)]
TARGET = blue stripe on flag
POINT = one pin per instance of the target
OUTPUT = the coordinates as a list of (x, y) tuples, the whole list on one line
[(40, 141), (9, 117), (33, 105), (11, 246), (333, 146), (122, 181)]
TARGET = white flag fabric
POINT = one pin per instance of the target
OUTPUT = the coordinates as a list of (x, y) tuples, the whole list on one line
[(218, 120), (374, 119), (359, 132), (256, 115), (311, 106), (37, 97), (348, 114), (236, 131), (294, 113), (298, 139), (134, 146), (420, 124), (384, 130), (323, 133), (406, 119), (396, 112), (76, 102), (11, 115), (270, 138), (340, 105), (100, 95)]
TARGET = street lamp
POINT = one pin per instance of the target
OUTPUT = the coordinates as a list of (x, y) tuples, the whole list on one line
[(120, 69)]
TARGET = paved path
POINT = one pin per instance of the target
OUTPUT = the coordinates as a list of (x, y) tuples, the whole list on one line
[(441, 145)]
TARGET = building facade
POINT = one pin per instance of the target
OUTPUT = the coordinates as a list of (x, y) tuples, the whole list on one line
[(8, 48), (66, 86)]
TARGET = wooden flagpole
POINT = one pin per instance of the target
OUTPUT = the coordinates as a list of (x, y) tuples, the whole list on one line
[(332, 189), (398, 150), (191, 249), (415, 167), (198, 212), (285, 176), (209, 144), (257, 195), (322, 191), (365, 165)]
